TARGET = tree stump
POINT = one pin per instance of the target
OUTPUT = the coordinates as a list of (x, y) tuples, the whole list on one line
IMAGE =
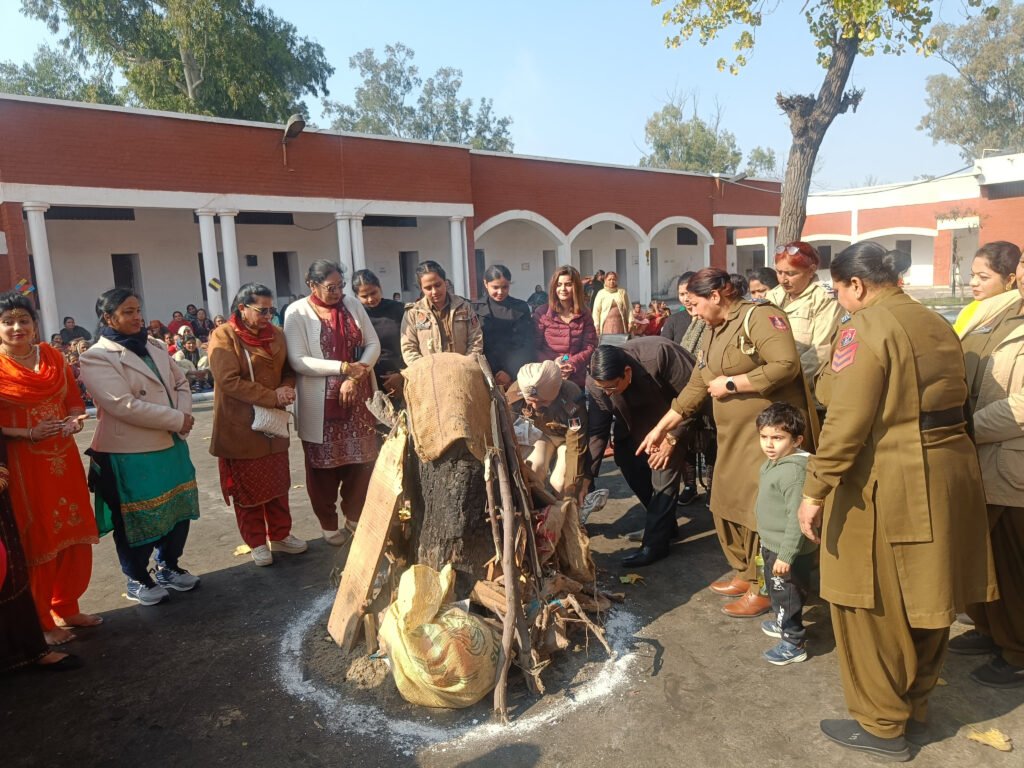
[(450, 516)]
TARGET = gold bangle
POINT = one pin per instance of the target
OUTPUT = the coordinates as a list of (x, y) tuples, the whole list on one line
[(344, 368), (814, 501)]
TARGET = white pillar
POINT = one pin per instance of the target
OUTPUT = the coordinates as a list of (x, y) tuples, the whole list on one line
[(564, 254), (459, 267), (358, 250), (232, 274), (644, 272), (344, 242), (50, 318), (769, 247), (208, 242)]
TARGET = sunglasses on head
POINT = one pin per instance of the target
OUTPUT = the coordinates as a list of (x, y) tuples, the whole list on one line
[(264, 311), (789, 250)]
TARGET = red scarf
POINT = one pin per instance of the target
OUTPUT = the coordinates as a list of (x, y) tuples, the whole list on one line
[(262, 338), (336, 315)]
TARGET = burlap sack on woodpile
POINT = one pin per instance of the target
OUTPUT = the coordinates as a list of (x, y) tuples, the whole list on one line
[(440, 655), (448, 400), (559, 534)]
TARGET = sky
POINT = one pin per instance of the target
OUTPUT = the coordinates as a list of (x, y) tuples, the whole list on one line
[(581, 78)]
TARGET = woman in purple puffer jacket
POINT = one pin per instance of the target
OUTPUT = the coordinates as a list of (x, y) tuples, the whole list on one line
[(565, 329)]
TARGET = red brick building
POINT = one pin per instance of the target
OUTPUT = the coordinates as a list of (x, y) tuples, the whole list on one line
[(93, 196)]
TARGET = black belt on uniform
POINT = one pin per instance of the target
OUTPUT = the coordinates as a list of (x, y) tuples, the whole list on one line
[(947, 418)]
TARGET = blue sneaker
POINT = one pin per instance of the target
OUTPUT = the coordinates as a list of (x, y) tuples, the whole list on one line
[(177, 579), (145, 595), (785, 653), (771, 628)]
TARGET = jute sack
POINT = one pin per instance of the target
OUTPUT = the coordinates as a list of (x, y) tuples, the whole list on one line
[(448, 400), (440, 655)]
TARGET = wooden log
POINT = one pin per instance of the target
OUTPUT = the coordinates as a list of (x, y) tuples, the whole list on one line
[(371, 535)]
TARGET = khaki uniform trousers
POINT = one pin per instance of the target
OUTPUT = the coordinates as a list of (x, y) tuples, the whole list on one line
[(1003, 619), (540, 459), (888, 668), (740, 546)]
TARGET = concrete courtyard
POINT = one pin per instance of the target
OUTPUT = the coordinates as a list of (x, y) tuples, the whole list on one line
[(234, 673)]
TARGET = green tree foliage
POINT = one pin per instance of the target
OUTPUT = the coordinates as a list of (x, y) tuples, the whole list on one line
[(841, 30), (387, 104), (761, 161), (52, 74), (689, 144), (230, 58), (981, 106)]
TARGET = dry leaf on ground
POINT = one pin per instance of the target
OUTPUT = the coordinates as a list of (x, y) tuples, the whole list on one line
[(993, 737), (632, 578), (241, 549)]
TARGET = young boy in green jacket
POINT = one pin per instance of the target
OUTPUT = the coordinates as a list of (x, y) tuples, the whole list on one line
[(787, 553)]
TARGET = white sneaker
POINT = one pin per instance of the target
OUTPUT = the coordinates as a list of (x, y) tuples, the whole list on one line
[(261, 555), (291, 544), (342, 537)]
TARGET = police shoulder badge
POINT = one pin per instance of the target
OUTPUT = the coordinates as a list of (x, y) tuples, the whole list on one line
[(778, 323), (845, 318), (846, 337), (575, 424)]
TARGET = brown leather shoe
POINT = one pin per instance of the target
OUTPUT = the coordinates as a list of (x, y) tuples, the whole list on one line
[(748, 606), (733, 587)]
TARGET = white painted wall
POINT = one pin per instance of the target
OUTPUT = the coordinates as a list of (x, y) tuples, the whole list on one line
[(673, 260), (519, 244), (431, 237), (167, 242), (603, 239), (922, 255)]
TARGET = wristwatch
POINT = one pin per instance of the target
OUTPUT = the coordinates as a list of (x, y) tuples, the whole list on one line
[(730, 384), (671, 440)]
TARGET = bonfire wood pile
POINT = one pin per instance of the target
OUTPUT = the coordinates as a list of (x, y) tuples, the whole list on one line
[(518, 552)]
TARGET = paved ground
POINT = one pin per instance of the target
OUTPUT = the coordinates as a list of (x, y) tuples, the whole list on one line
[(233, 674)]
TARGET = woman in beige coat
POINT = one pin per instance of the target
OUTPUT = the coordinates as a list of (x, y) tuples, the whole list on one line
[(141, 471), (250, 365), (993, 341)]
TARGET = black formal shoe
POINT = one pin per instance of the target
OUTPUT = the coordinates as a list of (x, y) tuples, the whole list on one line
[(973, 643), (850, 734), (999, 673), (688, 495), (645, 556)]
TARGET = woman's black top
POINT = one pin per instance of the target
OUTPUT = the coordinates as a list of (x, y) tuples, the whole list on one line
[(387, 322), (510, 337)]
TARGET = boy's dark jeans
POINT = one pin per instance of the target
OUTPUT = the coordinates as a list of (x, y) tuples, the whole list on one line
[(788, 594)]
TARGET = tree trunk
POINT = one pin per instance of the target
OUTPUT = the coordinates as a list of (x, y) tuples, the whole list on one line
[(451, 517), (809, 120)]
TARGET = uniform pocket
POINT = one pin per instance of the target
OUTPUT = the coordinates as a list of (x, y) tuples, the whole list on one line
[(1010, 463)]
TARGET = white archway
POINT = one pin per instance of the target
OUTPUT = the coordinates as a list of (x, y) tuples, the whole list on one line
[(897, 231), (682, 221), (519, 215), (831, 237), (638, 282), (616, 218)]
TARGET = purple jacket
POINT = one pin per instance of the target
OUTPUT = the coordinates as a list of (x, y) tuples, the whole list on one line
[(577, 338)]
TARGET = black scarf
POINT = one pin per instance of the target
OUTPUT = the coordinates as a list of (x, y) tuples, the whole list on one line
[(136, 342)]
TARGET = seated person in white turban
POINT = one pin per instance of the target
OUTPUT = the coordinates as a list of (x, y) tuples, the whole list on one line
[(551, 420)]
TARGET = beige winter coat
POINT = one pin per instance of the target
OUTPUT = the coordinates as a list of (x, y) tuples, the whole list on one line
[(999, 420), (421, 332), (604, 300)]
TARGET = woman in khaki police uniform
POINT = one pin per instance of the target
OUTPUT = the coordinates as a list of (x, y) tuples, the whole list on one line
[(993, 339), (904, 542), (813, 314), (746, 361), (439, 321)]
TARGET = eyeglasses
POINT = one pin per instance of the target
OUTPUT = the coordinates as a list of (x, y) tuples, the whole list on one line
[(611, 389), (262, 311), (331, 287), (789, 250)]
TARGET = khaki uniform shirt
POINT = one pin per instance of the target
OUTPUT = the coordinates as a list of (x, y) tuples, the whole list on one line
[(769, 358), (426, 331), (919, 491), (813, 316)]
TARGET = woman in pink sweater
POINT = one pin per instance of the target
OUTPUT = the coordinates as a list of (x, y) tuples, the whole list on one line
[(565, 329)]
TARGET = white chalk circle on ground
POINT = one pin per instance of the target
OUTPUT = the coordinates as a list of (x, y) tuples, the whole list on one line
[(344, 716)]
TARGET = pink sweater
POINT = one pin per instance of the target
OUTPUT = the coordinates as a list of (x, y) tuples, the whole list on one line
[(577, 338)]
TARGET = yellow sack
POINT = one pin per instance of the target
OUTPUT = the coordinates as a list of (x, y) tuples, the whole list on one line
[(440, 656)]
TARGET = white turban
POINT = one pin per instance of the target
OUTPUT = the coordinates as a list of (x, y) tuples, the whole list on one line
[(540, 380)]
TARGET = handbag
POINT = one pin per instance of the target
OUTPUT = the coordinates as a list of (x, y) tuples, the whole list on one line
[(272, 422)]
